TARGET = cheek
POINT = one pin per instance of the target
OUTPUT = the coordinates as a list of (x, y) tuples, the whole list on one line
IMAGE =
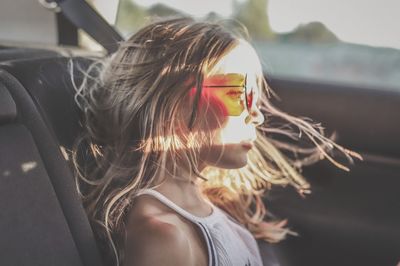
[(212, 119), (227, 134), (235, 130), (224, 103)]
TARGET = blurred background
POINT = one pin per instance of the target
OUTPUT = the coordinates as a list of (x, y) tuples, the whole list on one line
[(344, 42), (353, 42)]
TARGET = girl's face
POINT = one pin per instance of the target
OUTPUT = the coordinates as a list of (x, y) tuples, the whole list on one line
[(230, 100)]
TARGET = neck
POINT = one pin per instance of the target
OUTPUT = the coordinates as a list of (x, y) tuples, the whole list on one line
[(183, 187)]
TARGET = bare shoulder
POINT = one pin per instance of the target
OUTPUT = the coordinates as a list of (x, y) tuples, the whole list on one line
[(151, 240)]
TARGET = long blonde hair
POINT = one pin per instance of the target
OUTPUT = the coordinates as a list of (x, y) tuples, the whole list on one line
[(131, 103)]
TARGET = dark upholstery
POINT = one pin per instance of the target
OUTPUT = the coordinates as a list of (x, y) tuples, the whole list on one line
[(366, 119), (351, 218), (11, 54), (42, 219), (48, 82), (268, 253), (8, 110), (33, 227)]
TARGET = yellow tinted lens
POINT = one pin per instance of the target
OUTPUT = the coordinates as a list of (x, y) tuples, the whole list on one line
[(227, 92)]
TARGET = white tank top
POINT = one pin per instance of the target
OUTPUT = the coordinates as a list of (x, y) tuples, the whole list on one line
[(228, 242)]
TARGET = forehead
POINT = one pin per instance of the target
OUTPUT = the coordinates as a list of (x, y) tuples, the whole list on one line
[(226, 79), (241, 60)]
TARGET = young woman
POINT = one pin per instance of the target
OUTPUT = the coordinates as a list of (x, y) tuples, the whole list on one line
[(179, 150)]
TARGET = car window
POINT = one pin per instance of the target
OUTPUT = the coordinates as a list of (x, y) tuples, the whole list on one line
[(350, 42)]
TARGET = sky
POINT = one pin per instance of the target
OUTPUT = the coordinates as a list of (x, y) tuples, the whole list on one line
[(371, 22)]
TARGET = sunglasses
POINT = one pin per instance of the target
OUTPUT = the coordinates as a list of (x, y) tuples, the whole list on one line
[(229, 90), (223, 91)]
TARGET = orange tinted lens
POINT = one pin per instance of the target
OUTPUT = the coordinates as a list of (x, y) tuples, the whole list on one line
[(249, 97)]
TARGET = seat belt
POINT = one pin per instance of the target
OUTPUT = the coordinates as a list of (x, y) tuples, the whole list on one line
[(84, 17)]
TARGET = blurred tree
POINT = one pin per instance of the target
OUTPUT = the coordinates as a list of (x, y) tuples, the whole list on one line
[(315, 32), (162, 10), (213, 16), (253, 14), (130, 17)]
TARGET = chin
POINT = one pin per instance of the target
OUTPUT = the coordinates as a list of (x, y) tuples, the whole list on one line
[(234, 157), (239, 162)]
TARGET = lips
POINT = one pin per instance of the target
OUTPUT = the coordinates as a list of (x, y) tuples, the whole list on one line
[(247, 145)]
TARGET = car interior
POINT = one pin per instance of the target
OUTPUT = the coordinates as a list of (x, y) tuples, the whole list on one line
[(350, 218)]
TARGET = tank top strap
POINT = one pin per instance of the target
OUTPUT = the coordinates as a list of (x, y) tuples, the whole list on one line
[(201, 222), (163, 199)]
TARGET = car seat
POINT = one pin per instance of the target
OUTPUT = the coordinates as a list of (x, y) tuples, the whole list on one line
[(42, 220)]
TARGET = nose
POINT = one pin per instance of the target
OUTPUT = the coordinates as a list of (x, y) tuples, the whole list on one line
[(255, 116)]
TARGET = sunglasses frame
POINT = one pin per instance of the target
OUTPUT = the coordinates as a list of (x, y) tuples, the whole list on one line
[(235, 86)]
